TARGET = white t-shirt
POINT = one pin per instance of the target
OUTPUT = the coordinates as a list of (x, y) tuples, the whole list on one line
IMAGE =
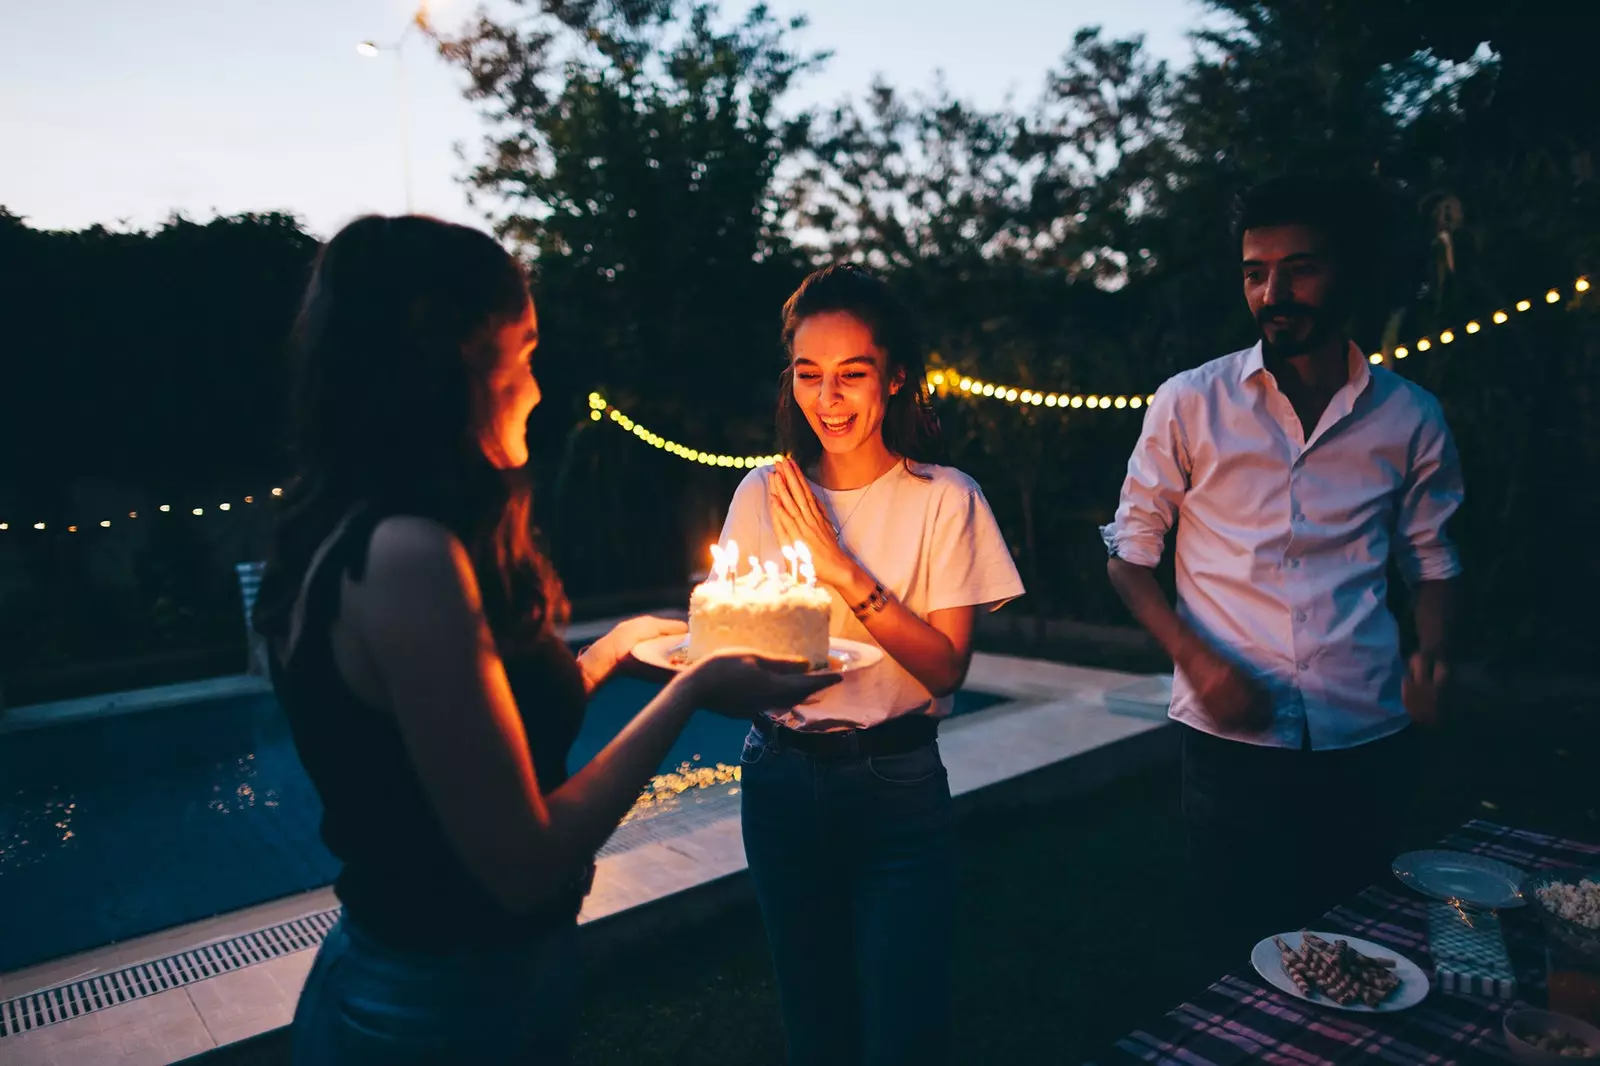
[(930, 540)]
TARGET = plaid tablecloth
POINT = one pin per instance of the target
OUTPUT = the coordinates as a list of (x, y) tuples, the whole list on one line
[(1243, 1019)]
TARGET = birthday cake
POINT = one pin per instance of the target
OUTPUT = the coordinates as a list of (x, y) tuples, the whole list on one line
[(768, 610)]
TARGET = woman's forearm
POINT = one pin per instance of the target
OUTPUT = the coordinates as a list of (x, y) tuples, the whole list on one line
[(585, 810), (922, 650)]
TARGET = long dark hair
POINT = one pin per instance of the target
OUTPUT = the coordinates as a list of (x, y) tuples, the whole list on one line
[(393, 346), (910, 426)]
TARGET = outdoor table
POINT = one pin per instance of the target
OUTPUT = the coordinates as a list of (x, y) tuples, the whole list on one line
[(1243, 1019)]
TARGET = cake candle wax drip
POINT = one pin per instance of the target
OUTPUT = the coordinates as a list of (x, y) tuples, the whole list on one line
[(782, 615)]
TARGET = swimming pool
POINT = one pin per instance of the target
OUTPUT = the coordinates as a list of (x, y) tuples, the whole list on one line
[(121, 826)]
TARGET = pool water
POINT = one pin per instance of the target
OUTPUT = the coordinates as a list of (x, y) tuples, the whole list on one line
[(121, 826)]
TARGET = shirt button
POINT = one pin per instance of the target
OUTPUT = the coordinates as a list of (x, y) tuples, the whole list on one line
[(1294, 564), (1303, 665), (1299, 616)]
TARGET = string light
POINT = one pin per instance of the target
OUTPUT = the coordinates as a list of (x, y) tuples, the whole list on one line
[(600, 410), (938, 380), (948, 379), (166, 508)]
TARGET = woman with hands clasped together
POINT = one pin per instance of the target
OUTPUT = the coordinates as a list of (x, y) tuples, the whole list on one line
[(414, 627), (846, 806)]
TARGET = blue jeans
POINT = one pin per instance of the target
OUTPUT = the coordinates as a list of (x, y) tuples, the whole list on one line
[(367, 1003), (853, 862)]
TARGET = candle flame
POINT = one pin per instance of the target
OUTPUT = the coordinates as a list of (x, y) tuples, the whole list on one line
[(725, 566)]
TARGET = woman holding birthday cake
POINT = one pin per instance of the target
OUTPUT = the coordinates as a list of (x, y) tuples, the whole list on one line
[(846, 806), (417, 653)]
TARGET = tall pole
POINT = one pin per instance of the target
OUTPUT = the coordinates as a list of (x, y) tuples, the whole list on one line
[(419, 21), (405, 125)]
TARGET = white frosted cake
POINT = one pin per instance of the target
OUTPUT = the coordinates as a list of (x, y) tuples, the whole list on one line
[(764, 610)]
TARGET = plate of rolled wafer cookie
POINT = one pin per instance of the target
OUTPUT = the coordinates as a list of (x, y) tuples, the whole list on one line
[(1342, 972)]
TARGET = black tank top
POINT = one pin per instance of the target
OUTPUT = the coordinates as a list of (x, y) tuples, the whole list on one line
[(401, 881)]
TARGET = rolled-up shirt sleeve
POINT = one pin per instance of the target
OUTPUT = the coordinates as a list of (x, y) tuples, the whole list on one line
[(1158, 478), (1433, 493)]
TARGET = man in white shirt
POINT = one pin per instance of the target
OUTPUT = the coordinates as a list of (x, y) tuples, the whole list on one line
[(1295, 473)]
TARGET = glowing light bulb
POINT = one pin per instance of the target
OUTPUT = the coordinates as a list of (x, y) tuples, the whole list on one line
[(277, 492), (199, 511), (1582, 285), (1375, 358), (966, 384), (1135, 403), (1473, 327), (1077, 401), (1500, 318), (105, 523), (38, 525), (225, 506), (166, 507), (1446, 337), (1424, 344), (1122, 401), (1523, 305), (1552, 297)]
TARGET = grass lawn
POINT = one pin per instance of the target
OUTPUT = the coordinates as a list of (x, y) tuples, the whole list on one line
[(1070, 916)]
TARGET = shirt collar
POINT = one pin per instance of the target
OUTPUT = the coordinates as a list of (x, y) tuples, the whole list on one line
[(1255, 363)]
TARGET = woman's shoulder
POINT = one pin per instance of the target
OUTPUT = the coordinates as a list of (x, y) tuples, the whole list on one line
[(756, 479), (943, 481), (418, 554)]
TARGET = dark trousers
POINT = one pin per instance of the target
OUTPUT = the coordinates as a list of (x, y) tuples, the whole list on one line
[(1277, 837), (853, 865)]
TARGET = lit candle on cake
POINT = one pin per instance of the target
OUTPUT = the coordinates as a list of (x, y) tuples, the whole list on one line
[(768, 612)]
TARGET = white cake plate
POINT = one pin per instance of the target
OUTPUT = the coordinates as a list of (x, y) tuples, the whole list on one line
[(844, 656)]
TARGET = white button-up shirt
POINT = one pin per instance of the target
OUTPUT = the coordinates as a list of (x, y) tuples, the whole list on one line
[(1283, 544)]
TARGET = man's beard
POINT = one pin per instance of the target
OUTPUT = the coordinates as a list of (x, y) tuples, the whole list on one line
[(1323, 323)]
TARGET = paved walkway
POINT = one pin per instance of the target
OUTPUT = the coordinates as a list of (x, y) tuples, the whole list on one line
[(654, 870)]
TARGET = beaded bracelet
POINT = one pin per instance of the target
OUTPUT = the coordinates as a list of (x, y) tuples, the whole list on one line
[(872, 604)]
